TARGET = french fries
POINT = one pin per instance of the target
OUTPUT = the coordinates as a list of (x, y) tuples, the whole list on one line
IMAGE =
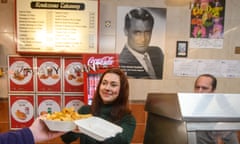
[(67, 114)]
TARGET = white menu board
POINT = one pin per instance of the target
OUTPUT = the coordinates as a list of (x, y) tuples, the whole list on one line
[(53, 26)]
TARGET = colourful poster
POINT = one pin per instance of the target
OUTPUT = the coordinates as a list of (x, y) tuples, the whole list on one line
[(21, 77), (73, 101), (49, 74), (73, 75), (21, 110), (207, 24), (48, 104)]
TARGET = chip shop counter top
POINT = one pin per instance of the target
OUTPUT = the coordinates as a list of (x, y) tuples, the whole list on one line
[(175, 118)]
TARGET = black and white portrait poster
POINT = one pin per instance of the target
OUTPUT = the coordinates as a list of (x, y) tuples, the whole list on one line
[(140, 41)]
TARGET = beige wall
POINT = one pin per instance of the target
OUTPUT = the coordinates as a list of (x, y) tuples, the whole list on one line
[(177, 28)]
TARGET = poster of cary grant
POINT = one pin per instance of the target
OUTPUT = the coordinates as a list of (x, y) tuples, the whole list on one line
[(140, 41)]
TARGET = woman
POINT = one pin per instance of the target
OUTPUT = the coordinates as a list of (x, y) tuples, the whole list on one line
[(110, 102)]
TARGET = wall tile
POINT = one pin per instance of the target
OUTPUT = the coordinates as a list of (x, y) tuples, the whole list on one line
[(6, 15)]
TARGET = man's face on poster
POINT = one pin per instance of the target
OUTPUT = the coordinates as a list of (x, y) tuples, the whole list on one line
[(139, 35)]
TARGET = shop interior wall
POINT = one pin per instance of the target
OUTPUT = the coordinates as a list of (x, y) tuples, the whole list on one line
[(177, 28)]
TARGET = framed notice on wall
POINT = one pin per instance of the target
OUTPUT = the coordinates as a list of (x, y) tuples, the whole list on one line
[(53, 26)]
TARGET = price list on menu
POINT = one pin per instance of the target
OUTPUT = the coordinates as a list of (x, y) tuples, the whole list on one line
[(68, 26)]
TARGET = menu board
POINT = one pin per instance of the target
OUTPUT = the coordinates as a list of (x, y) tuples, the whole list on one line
[(73, 101), (53, 26), (48, 103), (21, 110), (73, 75), (49, 74), (20, 74)]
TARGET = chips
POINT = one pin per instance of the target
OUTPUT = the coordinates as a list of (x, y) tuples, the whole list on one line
[(67, 114)]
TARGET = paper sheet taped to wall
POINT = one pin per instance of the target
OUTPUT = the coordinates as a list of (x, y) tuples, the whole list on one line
[(195, 67)]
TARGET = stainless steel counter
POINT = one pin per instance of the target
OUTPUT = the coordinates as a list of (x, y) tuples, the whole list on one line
[(175, 118)]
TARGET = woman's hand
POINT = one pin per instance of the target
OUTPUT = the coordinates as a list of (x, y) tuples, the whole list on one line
[(77, 130)]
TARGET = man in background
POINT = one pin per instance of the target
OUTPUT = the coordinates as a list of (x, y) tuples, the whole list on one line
[(138, 59), (207, 83)]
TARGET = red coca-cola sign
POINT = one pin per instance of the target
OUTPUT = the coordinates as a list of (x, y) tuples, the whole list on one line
[(95, 62), (103, 61)]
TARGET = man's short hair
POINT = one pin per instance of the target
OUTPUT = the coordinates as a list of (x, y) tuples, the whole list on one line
[(140, 14), (214, 80)]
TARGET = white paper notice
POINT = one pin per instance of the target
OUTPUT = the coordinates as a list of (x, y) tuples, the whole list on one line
[(209, 66), (205, 43), (185, 67), (230, 69), (218, 68)]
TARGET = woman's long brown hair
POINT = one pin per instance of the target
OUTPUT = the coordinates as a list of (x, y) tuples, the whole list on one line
[(120, 105)]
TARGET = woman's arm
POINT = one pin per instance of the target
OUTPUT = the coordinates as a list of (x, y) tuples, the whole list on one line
[(128, 123)]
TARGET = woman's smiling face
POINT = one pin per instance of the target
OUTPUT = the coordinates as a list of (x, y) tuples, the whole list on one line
[(109, 88)]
